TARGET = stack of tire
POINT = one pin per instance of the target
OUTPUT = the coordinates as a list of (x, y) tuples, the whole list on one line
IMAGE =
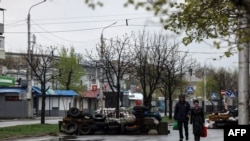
[(113, 127), (99, 125), (138, 127), (151, 125), (77, 122)]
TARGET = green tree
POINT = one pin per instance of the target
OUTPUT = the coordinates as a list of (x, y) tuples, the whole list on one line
[(221, 20), (200, 19), (69, 70)]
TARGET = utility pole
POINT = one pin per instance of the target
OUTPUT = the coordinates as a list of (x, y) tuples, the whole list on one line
[(205, 88), (243, 82), (101, 69), (29, 89)]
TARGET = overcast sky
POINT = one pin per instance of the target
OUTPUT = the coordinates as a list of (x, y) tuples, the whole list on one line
[(71, 23)]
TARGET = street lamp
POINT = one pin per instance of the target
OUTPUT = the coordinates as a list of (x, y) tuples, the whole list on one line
[(29, 91), (205, 82), (101, 69)]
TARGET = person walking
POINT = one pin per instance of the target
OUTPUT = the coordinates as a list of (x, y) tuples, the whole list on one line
[(197, 119), (181, 115)]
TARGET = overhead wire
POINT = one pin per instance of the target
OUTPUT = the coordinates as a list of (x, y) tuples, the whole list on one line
[(100, 16), (17, 23), (87, 21), (77, 30), (58, 36)]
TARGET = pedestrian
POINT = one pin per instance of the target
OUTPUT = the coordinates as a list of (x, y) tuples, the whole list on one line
[(181, 115), (197, 119)]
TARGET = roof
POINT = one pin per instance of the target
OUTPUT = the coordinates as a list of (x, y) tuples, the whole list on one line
[(12, 90), (51, 92), (38, 92), (66, 92)]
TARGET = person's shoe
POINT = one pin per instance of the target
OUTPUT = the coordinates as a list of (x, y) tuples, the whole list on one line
[(187, 138), (180, 140)]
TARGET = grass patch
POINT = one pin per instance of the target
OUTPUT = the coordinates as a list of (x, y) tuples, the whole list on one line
[(166, 119), (28, 131)]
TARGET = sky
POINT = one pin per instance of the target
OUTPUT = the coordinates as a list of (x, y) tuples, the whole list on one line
[(71, 23)]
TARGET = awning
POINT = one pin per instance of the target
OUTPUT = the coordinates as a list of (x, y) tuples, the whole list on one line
[(66, 93), (38, 91), (12, 90), (51, 92)]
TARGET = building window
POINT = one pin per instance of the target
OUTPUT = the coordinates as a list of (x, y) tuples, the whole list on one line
[(11, 98)]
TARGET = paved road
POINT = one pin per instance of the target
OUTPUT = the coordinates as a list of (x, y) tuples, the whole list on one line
[(213, 134)]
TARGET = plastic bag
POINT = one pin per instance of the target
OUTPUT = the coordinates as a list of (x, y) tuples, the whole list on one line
[(175, 125), (204, 131)]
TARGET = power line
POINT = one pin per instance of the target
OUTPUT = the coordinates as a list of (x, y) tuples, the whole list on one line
[(64, 39), (85, 29), (92, 16), (86, 21)]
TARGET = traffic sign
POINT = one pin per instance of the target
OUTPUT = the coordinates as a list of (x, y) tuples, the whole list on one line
[(213, 95), (230, 93), (223, 92), (190, 89)]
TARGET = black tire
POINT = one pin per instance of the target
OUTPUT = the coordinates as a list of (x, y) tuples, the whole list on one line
[(114, 128), (84, 129), (86, 116), (97, 128), (140, 108), (112, 123), (100, 124), (70, 128), (132, 128), (99, 117), (74, 112)]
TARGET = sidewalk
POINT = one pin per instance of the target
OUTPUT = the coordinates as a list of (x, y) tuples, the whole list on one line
[(36, 120), (213, 134)]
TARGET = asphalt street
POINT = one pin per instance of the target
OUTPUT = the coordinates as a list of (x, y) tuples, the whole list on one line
[(213, 134)]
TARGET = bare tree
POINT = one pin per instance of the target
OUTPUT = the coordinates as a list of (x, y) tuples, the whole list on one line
[(152, 53), (225, 79), (172, 78), (116, 62), (41, 64)]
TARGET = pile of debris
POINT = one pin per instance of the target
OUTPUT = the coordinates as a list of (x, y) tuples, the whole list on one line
[(137, 121), (220, 119)]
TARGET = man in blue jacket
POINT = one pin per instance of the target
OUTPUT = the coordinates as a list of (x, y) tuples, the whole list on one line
[(181, 114)]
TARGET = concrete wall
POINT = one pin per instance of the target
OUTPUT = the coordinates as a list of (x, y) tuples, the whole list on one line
[(55, 106)]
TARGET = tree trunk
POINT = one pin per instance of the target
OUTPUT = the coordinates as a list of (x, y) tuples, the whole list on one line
[(43, 90), (170, 103), (170, 107), (165, 104), (118, 100)]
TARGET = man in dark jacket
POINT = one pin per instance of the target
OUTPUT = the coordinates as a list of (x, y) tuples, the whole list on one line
[(181, 114)]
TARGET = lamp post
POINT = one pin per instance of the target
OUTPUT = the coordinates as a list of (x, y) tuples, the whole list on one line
[(205, 86), (205, 83), (29, 89), (101, 69)]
